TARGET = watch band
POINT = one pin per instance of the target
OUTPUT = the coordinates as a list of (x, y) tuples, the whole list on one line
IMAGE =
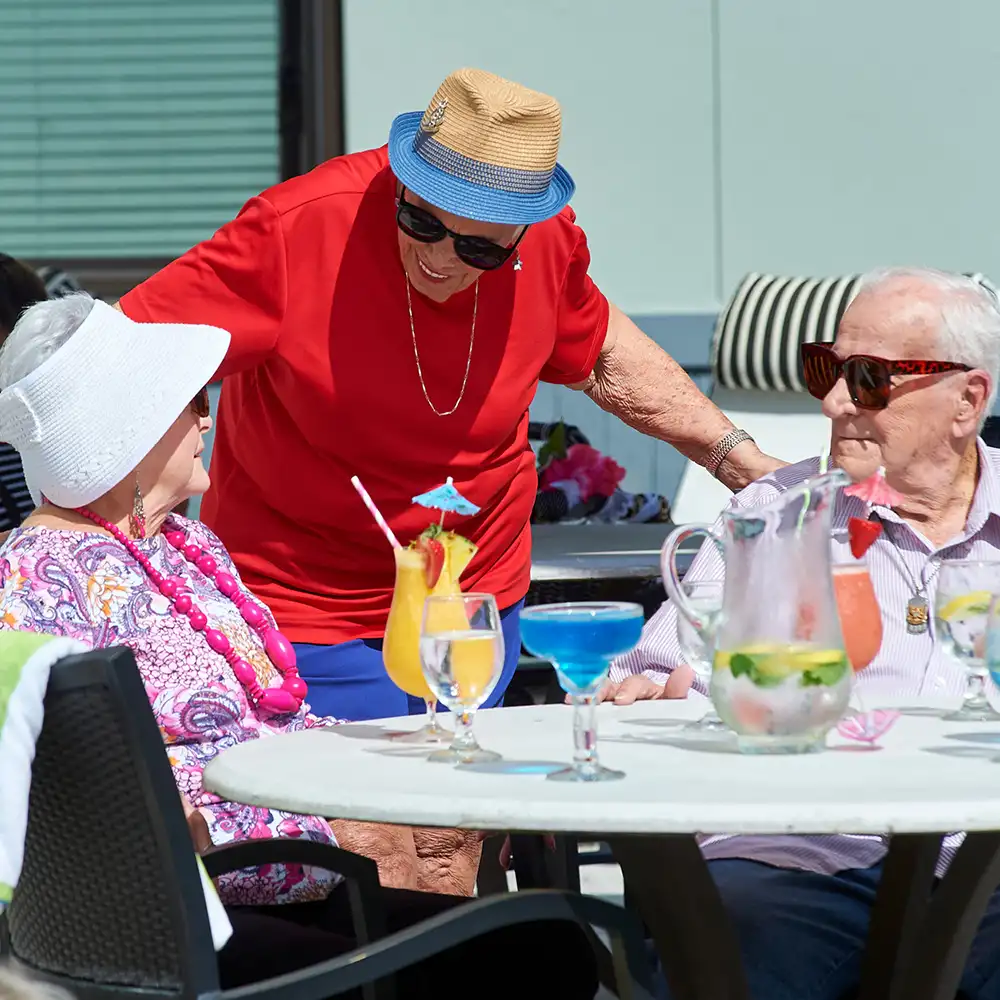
[(723, 447)]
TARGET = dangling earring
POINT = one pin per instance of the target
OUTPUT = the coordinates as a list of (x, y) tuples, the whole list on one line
[(137, 519), (517, 260)]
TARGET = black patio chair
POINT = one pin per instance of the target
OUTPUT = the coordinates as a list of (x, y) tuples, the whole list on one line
[(110, 904)]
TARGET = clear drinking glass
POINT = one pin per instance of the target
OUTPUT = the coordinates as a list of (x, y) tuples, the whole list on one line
[(581, 640), (705, 597), (965, 590), (462, 654)]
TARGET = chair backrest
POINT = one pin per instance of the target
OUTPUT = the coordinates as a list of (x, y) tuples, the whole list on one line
[(109, 900), (757, 373)]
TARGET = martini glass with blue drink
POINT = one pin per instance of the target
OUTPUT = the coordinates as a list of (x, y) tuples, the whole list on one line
[(581, 640)]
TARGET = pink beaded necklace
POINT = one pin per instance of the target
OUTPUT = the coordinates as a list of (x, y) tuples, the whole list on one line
[(279, 701)]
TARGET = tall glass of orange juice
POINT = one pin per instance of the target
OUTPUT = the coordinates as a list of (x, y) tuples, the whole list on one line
[(860, 617)]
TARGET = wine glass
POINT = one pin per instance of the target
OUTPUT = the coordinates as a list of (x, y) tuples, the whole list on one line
[(965, 590), (581, 640), (705, 597), (462, 655)]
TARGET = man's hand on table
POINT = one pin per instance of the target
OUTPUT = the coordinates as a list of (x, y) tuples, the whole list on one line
[(639, 687)]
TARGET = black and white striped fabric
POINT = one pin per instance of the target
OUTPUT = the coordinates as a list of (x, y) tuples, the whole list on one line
[(15, 500), (757, 337)]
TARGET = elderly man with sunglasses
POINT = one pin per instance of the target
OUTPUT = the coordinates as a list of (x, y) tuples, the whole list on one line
[(907, 385)]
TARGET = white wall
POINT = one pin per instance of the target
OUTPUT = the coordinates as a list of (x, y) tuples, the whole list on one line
[(635, 82), (713, 137), (859, 133)]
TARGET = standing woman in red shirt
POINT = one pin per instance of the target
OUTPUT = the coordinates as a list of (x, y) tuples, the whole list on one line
[(392, 313)]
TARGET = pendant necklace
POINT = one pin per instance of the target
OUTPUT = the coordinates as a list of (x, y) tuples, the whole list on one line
[(917, 608)]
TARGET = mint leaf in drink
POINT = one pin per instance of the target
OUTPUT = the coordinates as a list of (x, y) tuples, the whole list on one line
[(766, 680), (824, 674), (740, 664)]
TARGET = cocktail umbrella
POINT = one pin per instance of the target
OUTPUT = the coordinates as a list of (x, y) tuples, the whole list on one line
[(875, 490), (446, 499)]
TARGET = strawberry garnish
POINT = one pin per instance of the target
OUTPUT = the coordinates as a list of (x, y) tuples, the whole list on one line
[(433, 552), (862, 534)]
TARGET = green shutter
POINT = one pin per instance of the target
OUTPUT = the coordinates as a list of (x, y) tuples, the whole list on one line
[(130, 128)]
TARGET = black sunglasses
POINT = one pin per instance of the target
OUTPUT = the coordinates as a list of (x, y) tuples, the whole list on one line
[(421, 225)]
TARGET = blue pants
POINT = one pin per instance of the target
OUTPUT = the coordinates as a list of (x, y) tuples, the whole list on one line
[(802, 936), (348, 680)]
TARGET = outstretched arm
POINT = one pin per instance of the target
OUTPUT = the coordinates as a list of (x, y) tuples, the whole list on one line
[(642, 385)]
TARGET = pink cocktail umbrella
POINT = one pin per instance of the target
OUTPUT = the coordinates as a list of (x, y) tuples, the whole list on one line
[(867, 727), (875, 490)]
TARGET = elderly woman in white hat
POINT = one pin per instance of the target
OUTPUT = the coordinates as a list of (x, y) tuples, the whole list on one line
[(109, 417)]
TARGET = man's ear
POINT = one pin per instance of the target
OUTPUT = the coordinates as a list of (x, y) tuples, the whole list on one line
[(978, 386)]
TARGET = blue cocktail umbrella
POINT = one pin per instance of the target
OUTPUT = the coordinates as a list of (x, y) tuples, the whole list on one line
[(447, 499)]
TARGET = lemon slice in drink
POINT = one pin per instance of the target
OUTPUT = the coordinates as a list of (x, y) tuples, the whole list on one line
[(975, 603), (723, 657)]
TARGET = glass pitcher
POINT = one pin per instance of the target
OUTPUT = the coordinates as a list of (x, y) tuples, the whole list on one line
[(780, 675)]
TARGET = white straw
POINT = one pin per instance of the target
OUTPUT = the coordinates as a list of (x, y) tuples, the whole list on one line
[(379, 519)]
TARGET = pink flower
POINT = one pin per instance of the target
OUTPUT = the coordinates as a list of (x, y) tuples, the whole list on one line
[(594, 473)]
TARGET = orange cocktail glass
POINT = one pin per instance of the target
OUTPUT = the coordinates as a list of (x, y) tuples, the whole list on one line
[(860, 617), (401, 647)]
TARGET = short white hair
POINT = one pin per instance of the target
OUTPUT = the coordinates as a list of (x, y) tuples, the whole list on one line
[(39, 333), (970, 317), (14, 985)]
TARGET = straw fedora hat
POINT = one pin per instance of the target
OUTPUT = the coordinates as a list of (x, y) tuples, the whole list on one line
[(484, 149)]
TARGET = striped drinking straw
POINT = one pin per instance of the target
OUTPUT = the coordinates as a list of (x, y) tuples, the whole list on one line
[(374, 511)]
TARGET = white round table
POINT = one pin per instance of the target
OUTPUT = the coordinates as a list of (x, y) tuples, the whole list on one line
[(929, 778)]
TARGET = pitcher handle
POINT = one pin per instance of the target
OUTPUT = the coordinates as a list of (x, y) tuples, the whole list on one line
[(671, 578)]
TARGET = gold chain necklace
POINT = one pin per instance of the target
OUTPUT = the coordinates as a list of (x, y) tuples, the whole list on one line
[(416, 353)]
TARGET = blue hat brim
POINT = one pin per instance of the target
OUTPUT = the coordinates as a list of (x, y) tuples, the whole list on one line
[(461, 197)]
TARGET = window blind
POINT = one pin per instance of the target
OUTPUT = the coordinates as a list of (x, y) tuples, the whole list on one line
[(130, 128)]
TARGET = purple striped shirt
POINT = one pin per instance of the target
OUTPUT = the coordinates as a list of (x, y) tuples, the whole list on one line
[(908, 667)]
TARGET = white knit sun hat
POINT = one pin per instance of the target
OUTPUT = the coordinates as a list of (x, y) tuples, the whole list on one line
[(84, 418)]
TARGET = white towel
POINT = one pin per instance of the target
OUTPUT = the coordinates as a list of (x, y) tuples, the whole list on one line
[(25, 661)]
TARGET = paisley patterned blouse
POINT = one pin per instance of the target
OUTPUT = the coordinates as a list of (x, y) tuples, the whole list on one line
[(87, 586)]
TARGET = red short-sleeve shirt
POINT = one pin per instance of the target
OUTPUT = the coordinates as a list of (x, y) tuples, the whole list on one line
[(321, 384)]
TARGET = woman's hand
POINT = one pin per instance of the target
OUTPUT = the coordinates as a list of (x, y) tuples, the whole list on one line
[(639, 687), (200, 836)]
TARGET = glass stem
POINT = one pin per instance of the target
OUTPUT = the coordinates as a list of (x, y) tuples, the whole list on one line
[(463, 738), (585, 734), (432, 715), (975, 688)]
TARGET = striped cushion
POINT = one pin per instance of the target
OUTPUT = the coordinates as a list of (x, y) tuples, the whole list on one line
[(757, 337)]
